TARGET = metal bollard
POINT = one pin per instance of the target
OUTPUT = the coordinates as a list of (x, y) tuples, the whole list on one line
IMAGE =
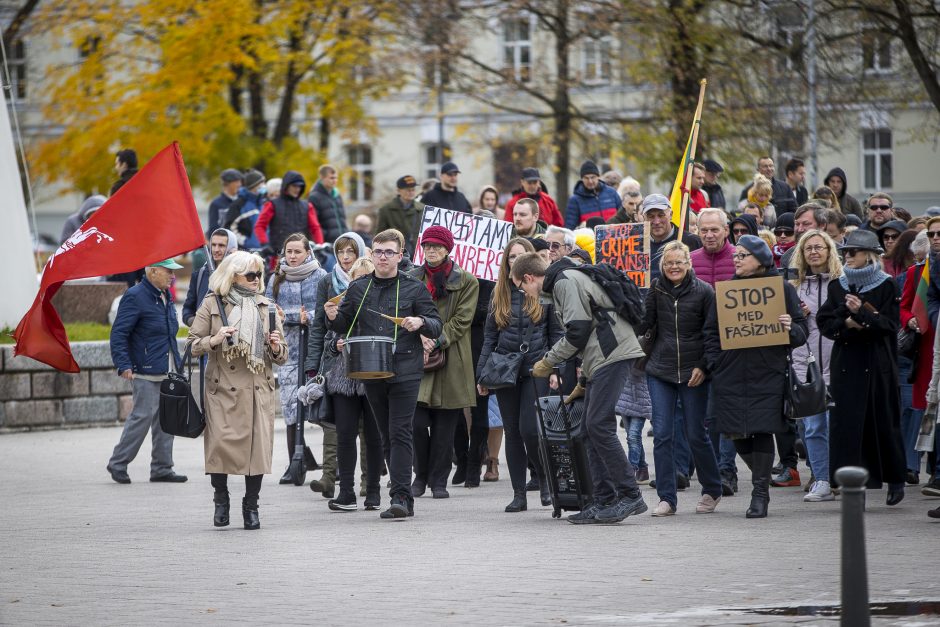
[(855, 610)]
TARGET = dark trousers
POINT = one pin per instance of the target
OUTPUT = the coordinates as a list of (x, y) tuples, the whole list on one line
[(350, 412), (611, 472), (517, 407), (252, 488), (393, 405), (786, 445), (434, 443), (468, 446), (755, 443)]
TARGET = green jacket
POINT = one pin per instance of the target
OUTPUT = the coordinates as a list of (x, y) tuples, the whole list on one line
[(540, 228), (393, 215), (454, 385), (601, 338)]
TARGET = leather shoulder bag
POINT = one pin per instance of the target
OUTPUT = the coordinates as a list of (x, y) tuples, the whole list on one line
[(180, 414), (804, 399), (501, 370)]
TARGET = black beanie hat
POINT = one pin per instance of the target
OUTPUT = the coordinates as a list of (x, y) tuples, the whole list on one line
[(589, 167)]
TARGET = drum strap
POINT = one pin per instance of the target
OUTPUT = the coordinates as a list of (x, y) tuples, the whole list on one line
[(366, 293)]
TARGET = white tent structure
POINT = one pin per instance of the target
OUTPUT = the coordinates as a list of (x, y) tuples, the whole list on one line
[(20, 281)]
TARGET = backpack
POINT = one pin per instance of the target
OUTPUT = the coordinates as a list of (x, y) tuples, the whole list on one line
[(620, 289)]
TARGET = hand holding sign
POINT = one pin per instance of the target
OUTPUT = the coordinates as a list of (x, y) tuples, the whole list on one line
[(752, 312)]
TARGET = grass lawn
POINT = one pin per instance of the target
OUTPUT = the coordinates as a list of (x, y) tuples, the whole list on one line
[(81, 332)]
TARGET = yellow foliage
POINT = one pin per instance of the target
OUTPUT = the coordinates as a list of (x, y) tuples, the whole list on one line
[(164, 70)]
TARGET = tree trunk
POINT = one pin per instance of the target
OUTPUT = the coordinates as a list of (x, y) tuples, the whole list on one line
[(235, 89), (324, 134), (16, 24), (908, 36), (259, 128), (285, 116)]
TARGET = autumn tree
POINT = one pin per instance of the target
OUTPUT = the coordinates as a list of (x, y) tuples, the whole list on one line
[(237, 82)]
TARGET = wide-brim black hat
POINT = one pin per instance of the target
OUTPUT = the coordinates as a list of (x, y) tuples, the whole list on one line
[(861, 239)]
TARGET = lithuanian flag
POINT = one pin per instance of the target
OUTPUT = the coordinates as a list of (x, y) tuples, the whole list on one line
[(919, 307), (679, 199)]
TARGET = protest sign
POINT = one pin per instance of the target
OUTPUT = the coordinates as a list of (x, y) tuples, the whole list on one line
[(478, 241), (626, 247), (748, 312)]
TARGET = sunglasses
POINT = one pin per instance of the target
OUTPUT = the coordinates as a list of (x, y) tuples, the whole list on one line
[(933, 234), (783, 231), (850, 252), (556, 245), (739, 231), (890, 237), (253, 276), (879, 207)]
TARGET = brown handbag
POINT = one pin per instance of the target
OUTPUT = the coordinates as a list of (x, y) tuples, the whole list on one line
[(435, 359)]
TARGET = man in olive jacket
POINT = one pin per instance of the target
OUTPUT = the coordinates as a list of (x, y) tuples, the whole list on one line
[(403, 213), (609, 348)]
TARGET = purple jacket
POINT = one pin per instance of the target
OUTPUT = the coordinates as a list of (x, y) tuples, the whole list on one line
[(813, 292), (712, 268)]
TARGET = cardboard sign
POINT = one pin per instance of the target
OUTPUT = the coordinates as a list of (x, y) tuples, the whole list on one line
[(478, 241), (627, 248), (748, 312)]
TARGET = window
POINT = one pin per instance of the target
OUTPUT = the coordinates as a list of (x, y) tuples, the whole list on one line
[(595, 66), (360, 182), (435, 155), (17, 67), (517, 48), (877, 159), (89, 47), (876, 51)]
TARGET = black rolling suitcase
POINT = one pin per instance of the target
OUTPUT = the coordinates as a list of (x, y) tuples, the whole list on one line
[(561, 449)]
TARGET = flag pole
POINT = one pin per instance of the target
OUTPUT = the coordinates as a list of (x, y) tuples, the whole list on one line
[(696, 123)]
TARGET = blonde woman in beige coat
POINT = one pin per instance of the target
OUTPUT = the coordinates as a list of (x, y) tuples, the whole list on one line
[(240, 399)]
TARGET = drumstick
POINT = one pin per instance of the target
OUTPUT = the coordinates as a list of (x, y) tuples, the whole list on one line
[(335, 300), (398, 321)]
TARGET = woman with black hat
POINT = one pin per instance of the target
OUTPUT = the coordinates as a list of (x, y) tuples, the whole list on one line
[(751, 418), (861, 316)]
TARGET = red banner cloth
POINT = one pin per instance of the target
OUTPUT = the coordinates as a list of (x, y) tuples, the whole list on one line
[(151, 218)]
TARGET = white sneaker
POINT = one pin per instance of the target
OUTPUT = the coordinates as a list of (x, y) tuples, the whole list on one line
[(663, 509), (820, 492)]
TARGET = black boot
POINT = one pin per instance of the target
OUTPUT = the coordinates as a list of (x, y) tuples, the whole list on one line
[(761, 466), (250, 514), (220, 518), (518, 503), (460, 475), (545, 492)]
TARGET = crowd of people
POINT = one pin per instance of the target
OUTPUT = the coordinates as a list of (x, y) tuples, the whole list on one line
[(854, 275)]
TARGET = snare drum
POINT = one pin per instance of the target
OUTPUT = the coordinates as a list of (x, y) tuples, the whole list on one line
[(369, 357)]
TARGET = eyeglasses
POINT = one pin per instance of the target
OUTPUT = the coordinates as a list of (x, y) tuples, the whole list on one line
[(783, 231), (879, 207), (557, 246), (674, 264), (741, 256), (933, 234), (253, 276), (891, 237), (384, 253), (815, 249)]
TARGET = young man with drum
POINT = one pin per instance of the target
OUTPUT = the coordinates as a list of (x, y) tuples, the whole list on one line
[(367, 311)]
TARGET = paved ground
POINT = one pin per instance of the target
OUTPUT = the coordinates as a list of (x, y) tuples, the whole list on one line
[(76, 548)]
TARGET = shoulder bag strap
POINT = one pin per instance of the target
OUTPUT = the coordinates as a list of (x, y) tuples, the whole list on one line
[(524, 345)]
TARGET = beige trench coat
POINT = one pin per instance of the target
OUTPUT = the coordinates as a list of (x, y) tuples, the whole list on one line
[(239, 435)]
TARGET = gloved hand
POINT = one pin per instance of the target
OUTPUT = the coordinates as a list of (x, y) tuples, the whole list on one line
[(576, 393), (542, 368)]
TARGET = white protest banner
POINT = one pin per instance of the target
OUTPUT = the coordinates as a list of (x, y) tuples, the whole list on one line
[(478, 241)]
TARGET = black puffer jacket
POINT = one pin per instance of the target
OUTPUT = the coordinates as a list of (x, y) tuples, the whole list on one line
[(413, 300), (677, 313), (454, 200), (330, 212), (748, 383), (544, 334)]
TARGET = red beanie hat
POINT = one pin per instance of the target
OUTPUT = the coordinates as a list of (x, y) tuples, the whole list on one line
[(438, 235)]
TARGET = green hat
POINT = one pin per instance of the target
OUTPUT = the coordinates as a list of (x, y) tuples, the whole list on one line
[(168, 264)]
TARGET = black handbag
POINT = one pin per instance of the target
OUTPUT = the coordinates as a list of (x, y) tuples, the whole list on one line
[(180, 414), (804, 399), (501, 370), (908, 343)]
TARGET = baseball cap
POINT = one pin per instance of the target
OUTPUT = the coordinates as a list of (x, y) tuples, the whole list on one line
[(231, 174), (406, 181), (530, 174), (169, 264), (449, 168)]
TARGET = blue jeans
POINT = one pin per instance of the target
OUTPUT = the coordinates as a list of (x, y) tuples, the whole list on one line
[(815, 433), (910, 417), (635, 453), (665, 396), (682, 451)]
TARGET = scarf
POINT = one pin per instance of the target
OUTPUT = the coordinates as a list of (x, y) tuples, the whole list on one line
[(437, 278), (298, 273), (249, 338), (862, 279), (340, 279)]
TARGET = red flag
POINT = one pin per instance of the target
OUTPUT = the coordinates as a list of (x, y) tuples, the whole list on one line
[(151, 218)]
